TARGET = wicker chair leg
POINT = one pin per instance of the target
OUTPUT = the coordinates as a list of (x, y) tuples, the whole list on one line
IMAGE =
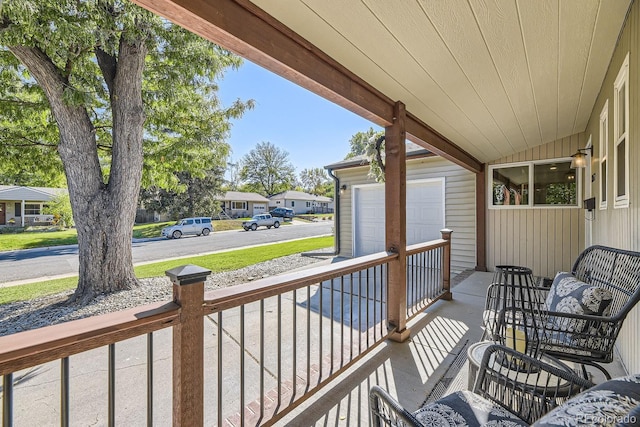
[(601, 368)]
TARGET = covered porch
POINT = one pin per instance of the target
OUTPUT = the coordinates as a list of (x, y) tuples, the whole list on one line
[(303, 349)]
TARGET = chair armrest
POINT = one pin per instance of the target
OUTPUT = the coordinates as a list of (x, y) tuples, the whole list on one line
[(525, 386), (384, 410)]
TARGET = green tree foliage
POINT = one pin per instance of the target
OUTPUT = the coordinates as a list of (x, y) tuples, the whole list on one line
[(201, 197), (364, 144), (267, 170), (116, 97), (360, 142), (60, 208), (313, 180)]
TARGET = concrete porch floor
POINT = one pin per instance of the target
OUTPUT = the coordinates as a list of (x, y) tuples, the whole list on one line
[(411, 370)]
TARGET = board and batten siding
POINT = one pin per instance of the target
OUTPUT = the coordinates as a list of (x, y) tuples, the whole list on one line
[(620, 227), (460, 201), (547, 240)]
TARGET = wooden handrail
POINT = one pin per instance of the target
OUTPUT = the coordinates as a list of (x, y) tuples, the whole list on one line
[(222, 299), (426, 246), (31, 348)]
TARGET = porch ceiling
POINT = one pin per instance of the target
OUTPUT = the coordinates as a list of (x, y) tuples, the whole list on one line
[(493, 76)]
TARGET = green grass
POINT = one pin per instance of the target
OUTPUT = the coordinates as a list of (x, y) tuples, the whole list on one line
[(225, 261), (39, 239), (36, 290)]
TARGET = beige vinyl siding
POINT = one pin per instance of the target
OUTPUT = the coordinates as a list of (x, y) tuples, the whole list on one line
[(460, 201), (547, 240), (621, 227)]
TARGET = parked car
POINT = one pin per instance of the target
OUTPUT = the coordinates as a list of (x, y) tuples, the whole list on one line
[(283, 213), (198, 226), (261, 220)]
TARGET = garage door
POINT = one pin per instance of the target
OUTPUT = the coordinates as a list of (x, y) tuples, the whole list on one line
[(259, 208), (425, 214)]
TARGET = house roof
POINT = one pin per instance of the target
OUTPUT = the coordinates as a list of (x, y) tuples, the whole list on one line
[(300, 195), (35, 194), (412, 151), (480, 80), (240, 196)]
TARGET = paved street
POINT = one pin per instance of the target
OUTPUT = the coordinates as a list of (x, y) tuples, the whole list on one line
[(63, 260)]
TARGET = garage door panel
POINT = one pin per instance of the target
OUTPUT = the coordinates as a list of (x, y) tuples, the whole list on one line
[(425, 215)]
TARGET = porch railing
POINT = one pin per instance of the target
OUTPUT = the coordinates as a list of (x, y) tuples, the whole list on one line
[(244, 355)]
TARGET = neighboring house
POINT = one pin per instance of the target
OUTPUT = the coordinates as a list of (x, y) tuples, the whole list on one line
[(23, 206), (301, 202), (440, 194), (237, 204)]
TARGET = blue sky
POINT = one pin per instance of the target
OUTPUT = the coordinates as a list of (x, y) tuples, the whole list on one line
[(314, 131)]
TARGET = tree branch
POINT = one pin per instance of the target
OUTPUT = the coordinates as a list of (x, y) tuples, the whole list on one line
[(108, 65), (22, 102)]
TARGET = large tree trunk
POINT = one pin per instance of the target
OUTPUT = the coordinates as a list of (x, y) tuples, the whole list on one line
[(104, 213)]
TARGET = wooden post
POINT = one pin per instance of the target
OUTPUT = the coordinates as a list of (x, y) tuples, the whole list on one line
[(188, 345), (446, 265), (395, 193), (481, 220)]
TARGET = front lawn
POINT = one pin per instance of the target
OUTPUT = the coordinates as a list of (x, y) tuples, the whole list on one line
[(223, 261)]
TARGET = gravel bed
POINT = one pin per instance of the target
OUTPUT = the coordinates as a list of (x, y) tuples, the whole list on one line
[(53, 309)]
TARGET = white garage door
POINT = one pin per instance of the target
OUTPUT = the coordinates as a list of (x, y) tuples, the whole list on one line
[(259, 208), (425, 215)]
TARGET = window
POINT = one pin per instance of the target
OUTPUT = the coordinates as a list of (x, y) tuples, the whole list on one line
[(240, 206), (293, 204), (17, 209), (32, 209), (604, 153), (621, 137), (546, 183), (308, 204)]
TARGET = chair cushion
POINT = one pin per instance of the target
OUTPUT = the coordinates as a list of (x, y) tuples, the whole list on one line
[(605, 404), (570, 295), (465, 408)]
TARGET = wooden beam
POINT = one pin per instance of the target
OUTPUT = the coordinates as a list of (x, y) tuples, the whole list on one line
[(423, 135), (247, 30), (481, 221), (395, 193)]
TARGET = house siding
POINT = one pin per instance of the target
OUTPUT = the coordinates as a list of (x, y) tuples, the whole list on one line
[(621, 227), (547, 240), (460, 199)]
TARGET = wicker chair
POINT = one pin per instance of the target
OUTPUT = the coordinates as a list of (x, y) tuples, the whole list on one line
[(583, 336), (510, 387)]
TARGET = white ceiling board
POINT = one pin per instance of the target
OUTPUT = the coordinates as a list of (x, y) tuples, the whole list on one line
[(391, 74), (460, 32), (500, 26), (422, 42), (575, 36), (604, 40), (493, 76), (540, 32)]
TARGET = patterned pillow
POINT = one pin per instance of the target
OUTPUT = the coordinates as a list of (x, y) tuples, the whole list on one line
[(611, 402), (467, 409), (570, 295)]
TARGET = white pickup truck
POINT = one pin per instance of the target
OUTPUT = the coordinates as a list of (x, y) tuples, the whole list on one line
[(261, 220)]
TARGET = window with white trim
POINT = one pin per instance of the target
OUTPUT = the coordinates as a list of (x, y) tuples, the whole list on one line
[(240, 206), (621, 137), (32, 209), (604, 154), (546, 183)]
